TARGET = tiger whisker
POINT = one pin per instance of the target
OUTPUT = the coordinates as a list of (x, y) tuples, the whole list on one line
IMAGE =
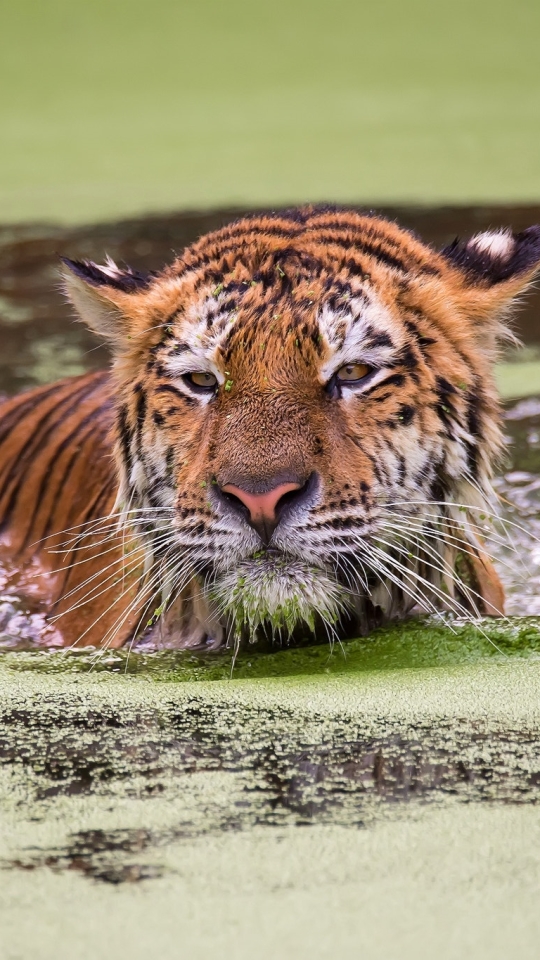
[(445, 568), (111, 605), (458, 608), (93, 593), (118, 624), (462, 522), (135, 558), (140, 551), (100, 617), (487, 537), (77, 563), (504, 521), (92, 523), (416, 594), (462, 545), (429, 586), (411, 574), (140, 545), (114, 528)]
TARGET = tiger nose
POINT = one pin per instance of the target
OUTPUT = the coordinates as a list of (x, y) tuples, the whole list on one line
[(262, 508)]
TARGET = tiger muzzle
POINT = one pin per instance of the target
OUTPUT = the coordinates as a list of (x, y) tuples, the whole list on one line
[(264, 506)]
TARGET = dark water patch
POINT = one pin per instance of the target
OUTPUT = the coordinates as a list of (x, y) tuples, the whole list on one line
[(314, 770), (98, 855)]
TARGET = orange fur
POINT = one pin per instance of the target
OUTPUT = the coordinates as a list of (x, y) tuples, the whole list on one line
[(269, 306)]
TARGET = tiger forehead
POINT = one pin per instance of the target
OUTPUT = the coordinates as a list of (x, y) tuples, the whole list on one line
[(302, 243), (316, 314)]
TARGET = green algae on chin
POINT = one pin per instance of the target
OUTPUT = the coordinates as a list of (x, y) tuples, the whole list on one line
[(412, 644), (279, 593)]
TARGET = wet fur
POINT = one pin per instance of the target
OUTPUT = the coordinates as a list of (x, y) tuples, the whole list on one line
[(272, 305)]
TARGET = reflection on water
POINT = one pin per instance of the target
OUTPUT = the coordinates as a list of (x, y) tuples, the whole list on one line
[(265, 767)]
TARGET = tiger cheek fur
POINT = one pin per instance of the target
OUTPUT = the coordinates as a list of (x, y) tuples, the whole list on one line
[(305, 427)]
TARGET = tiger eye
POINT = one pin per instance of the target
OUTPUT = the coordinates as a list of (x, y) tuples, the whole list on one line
[(352, 372), (201, 379)]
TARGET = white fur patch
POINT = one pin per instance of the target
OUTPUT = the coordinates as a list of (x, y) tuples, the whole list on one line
[(99, 313), (205, 341), (499, 244), (346, 334), (110, 268), (282, 593)]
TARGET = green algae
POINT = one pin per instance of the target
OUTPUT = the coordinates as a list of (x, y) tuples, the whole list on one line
[(287, 816), (277, 593), (273, 104), (460, 882), (416, 643)]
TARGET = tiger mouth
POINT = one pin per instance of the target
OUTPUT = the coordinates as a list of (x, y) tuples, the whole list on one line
[(271, 591)]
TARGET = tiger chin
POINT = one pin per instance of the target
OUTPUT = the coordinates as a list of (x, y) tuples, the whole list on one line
[(296, 438)]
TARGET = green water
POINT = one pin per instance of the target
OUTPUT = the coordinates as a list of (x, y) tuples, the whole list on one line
[(375, 812), (119, 107), (420, 643)]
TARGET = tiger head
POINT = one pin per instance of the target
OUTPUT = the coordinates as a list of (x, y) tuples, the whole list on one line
[(307, 421)]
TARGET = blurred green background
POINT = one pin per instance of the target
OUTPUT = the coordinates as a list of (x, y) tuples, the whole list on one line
[(119, 107)]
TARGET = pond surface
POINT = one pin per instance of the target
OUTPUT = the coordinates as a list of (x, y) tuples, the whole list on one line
[(379, 800)]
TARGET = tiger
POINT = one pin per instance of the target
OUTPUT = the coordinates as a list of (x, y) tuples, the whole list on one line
[(296, 438)]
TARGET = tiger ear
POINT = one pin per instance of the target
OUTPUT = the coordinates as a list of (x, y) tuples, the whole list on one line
[(496, 267), (497, 256), (101, 295)]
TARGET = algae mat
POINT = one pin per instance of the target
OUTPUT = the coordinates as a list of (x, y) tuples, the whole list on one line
[(118, 107), (382, 808)]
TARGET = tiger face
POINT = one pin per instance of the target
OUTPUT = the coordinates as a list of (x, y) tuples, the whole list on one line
[(306, 421)]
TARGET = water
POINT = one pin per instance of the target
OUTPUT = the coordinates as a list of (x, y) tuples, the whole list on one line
[(318, 804), (338, 814)]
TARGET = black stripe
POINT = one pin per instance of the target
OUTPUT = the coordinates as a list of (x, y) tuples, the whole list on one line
[(395, 380), (140, 414), (379, 340), (365, 247), (8, 422), (406, 414), (33, 448), (125, 436), (358, 443), (168, 388), (61, 484)]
